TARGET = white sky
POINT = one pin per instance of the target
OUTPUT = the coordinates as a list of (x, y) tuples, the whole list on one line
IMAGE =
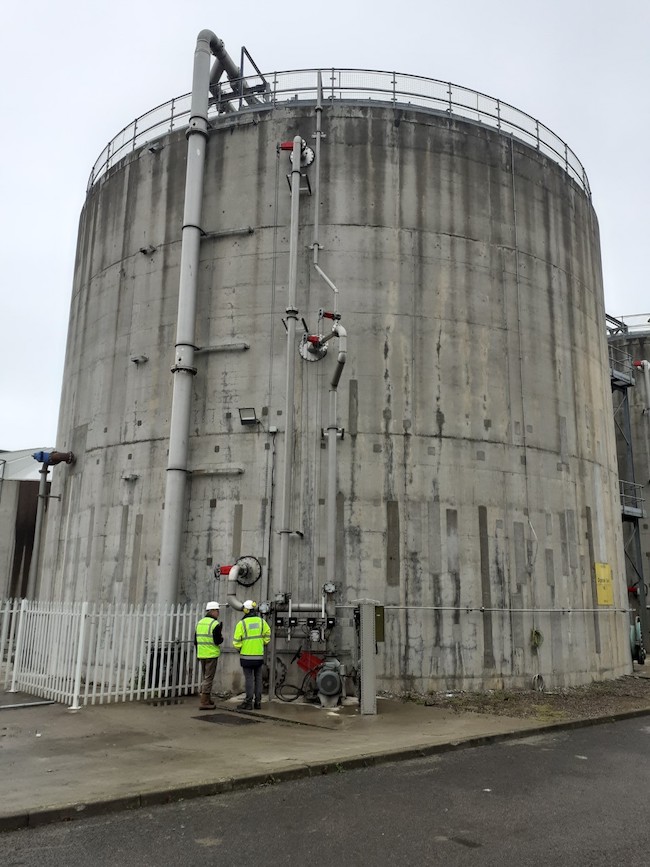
[(74, 73)]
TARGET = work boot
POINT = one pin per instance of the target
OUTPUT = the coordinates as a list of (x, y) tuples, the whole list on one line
[(206, 702), (257, 704), (247, 704)]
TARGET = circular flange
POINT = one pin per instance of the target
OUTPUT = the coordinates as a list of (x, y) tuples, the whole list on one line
[(311, 351), (250, 570)]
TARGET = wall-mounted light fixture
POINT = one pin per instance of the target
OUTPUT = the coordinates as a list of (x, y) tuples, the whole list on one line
[(247, 415)]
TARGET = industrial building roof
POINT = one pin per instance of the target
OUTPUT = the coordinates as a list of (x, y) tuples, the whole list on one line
[(20, 465)]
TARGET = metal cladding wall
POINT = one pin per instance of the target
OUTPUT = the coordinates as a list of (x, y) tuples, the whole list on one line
[(477, 482), (630, 347)]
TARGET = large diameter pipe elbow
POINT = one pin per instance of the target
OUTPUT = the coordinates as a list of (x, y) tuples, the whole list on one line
[(57, 457), (342, 335), (233, 601), (210, 38)]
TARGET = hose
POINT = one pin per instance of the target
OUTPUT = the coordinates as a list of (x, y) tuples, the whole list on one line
[(289, 692)]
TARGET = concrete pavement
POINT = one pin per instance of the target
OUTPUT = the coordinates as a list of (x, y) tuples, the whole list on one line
[(56, 764)]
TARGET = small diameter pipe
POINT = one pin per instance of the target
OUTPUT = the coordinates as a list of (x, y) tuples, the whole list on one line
[(481, 609), (38, 532), (291, 607), (332, 442), (292, 316), (183, 369), (330, 284), (319, 134)]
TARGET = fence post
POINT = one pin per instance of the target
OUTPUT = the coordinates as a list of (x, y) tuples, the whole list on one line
[(19, 644), (80, 649), (7, 611)]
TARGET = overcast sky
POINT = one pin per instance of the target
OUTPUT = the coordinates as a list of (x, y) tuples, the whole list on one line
[(74, 73)]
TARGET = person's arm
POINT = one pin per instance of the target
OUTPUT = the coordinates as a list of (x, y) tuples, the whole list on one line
[(217, 634), (237, 636), (266, 632)]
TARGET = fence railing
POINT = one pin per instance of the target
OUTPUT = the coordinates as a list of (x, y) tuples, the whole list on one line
[(358, 86), (620, 361), (631, 323), (78, 653), (632, 500)]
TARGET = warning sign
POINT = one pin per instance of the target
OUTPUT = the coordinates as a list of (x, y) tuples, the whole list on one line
[(604, 585)]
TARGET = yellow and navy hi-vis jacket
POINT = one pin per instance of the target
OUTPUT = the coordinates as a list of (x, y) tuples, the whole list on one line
[(251, 634), (207, 638)]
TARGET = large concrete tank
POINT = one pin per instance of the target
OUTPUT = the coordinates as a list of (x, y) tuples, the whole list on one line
[(477, 483)]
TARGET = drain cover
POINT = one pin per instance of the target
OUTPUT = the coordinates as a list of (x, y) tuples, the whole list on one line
[(227, 719)]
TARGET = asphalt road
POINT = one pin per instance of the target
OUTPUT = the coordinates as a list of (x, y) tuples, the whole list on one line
[(567, 798)]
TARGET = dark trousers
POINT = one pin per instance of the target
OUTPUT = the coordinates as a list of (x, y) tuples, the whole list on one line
[(208, 671), (253, 679)]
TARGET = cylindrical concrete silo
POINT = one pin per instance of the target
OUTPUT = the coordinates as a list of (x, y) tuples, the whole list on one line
[(476, 494)]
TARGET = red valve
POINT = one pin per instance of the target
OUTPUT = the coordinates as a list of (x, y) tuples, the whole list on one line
[(224, 570), (286, 145)]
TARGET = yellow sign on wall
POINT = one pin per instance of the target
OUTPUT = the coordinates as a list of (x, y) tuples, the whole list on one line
[(604, 584)]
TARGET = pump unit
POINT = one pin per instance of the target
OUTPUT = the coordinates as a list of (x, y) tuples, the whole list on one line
[(329, 682)]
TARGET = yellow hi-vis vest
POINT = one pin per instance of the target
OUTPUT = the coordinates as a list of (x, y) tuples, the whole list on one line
[(205, 646), (251, 634)]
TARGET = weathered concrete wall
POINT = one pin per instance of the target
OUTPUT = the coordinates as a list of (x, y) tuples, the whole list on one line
[(478, 464)]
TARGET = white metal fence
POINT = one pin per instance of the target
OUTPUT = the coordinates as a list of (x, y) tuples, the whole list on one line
[(78, 653), (359, 86)]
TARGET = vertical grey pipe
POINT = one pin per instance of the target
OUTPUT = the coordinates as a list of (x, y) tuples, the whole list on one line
[(319, 135), (292, 316), (38, 533), (183, 369), (332, 441)]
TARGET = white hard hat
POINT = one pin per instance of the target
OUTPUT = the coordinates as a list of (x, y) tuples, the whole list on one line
[(249, 605), (212, 606)]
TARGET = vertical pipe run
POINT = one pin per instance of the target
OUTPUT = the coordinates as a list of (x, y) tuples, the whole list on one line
[(183, 368), (38, 533), (319, 135), (292, 316), (332, 440)]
